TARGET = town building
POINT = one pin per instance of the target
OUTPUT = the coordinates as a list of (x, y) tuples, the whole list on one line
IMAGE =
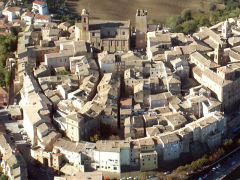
[(110, 36), (39, 6)]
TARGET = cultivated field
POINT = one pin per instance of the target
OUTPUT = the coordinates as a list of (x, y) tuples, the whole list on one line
[(126, 9)]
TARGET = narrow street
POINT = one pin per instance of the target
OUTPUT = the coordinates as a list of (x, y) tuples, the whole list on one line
[(34, 172), (226, 167)]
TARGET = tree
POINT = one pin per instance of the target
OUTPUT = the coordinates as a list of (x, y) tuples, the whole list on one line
[(63, 72), (14, 31), (3, 177), (213, 7), (94, 138), (106, 130), (186, 14), (173, 21), (189, 27), (153, 21), (7, 77)]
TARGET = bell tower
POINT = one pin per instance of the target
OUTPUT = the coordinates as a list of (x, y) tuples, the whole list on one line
[(84, 34), (141, 29), (226, 29), (85, 19), (219, 55)]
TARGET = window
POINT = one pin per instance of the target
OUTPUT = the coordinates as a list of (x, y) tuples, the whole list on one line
[(123, 33), (108, 33), (93, 34), (84, 20)]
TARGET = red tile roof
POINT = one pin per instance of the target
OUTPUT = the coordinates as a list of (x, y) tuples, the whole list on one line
[(43, 17), (12, 9), (4, 33), (3, 91), (1, 4), (38, 2), (30, 14), (126, 102)]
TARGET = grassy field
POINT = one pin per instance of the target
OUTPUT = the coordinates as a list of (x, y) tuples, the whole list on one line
[(158, 10)]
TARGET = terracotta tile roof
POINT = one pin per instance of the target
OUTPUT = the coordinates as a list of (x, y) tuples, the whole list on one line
[(4, 33), (30, 14), (38, 2), (12, 9), (3, 91), (43, 17), (126, 102)]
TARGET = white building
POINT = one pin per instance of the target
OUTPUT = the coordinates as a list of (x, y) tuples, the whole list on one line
[(28, 17), (40, 7), (71, 150), (107, 160), (78, 63), (60, 59), (12, 12), (111, 155), (106, 62)]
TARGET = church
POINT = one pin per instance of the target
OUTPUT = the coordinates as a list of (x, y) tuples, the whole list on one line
[(104, 35)]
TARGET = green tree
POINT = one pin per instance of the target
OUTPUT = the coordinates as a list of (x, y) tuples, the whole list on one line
[(7, 77), (64, 72), (186, 14), (190, 27), (3, 177), (94, 138), (173, 21), (106, 130), (213, 7), (153, 21)]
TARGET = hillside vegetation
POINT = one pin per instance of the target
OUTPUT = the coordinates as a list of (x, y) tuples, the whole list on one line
[(189, 20)]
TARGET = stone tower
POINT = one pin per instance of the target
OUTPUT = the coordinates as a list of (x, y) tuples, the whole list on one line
[(219, 55), (85, 19), (141, 29), (226, 29), (81, 29)]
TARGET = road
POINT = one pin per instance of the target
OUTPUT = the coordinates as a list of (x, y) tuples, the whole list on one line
[(226, 167), (12, 129)]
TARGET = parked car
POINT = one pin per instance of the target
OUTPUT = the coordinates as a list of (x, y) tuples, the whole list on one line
[(167, 172), (213, 169)]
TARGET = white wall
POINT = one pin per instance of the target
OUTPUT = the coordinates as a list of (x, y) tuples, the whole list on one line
[(107, 161)]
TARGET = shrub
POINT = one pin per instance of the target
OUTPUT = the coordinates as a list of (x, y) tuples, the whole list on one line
[(64, 72)]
